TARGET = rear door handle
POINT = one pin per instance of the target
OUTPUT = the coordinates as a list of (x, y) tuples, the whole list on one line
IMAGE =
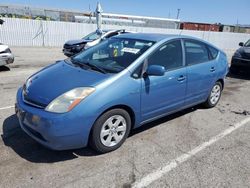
[(212, 69), (181, 78)]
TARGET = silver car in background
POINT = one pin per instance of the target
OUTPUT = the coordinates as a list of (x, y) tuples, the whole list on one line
[(73, 47), (6, 56)]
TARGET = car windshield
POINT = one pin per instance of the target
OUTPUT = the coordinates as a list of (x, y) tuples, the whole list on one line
[(247, 44), (113, 55), (92, 36)]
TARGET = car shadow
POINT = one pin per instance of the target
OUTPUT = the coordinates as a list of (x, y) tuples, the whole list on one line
[(14, 137), (4, 68), (164, 119), (242, 75)]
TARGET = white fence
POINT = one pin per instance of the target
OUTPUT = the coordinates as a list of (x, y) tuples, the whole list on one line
[(25, 32)]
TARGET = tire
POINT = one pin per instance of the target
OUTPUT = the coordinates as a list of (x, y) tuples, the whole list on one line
[(214, 96), (110, 130)]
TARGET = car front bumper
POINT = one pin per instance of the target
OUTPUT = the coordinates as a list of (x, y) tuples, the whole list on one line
[(240, 63), (68, 52), (6, 58), (72, 51), (54, 131)]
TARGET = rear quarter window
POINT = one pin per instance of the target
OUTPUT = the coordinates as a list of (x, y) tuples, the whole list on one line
[(213, 52)]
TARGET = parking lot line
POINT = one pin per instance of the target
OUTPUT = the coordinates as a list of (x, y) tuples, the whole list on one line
[(6, 107), (157, 174)]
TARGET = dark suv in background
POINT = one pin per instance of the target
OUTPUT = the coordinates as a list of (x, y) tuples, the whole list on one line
[(73, 47), (241, 58)]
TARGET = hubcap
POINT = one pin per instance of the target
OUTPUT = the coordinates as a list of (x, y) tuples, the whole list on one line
[(215, 94), (113, 130)]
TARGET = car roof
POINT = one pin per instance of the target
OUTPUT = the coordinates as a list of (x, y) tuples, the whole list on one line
[(156, 37), (147, 36)]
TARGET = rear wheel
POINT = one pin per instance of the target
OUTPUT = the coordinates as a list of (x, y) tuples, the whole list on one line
[(214, 95), (110, 130)]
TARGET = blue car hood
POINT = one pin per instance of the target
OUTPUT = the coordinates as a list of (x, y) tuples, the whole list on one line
[(54, 80)]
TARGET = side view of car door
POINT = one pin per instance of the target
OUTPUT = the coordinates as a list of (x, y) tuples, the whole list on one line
[(201, 71), (164, 94)]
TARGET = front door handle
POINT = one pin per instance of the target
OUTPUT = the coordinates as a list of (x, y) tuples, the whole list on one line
[(212, 69), (181, 78)]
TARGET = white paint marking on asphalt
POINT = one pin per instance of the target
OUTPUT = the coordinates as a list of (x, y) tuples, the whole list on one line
[(157, 174), (6, 107)]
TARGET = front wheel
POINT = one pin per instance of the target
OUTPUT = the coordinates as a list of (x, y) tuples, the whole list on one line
[(214, 95), (110, 130)]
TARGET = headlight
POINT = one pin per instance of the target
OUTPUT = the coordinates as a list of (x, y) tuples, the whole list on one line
[(6, 51), (79, 46), (237, 54), (86, 46), (69, 100)]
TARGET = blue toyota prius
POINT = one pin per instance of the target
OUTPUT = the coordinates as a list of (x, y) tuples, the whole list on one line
[(97, 96)]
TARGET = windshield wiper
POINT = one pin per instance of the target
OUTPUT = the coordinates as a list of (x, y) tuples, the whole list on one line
[(79, 64), (87, 65), (95, 67)]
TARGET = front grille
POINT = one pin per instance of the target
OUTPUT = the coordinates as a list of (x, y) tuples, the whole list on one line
[(66, 46), (34, 133), (246, 55)]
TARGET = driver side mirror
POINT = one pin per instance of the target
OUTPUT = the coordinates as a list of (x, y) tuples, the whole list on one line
[(155, 70), (241, 44)]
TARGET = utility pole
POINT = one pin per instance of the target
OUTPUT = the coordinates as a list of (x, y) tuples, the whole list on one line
[(237, 28), (42, 31), (178, 13)]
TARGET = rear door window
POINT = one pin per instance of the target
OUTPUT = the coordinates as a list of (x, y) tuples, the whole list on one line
[(196, 52)]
